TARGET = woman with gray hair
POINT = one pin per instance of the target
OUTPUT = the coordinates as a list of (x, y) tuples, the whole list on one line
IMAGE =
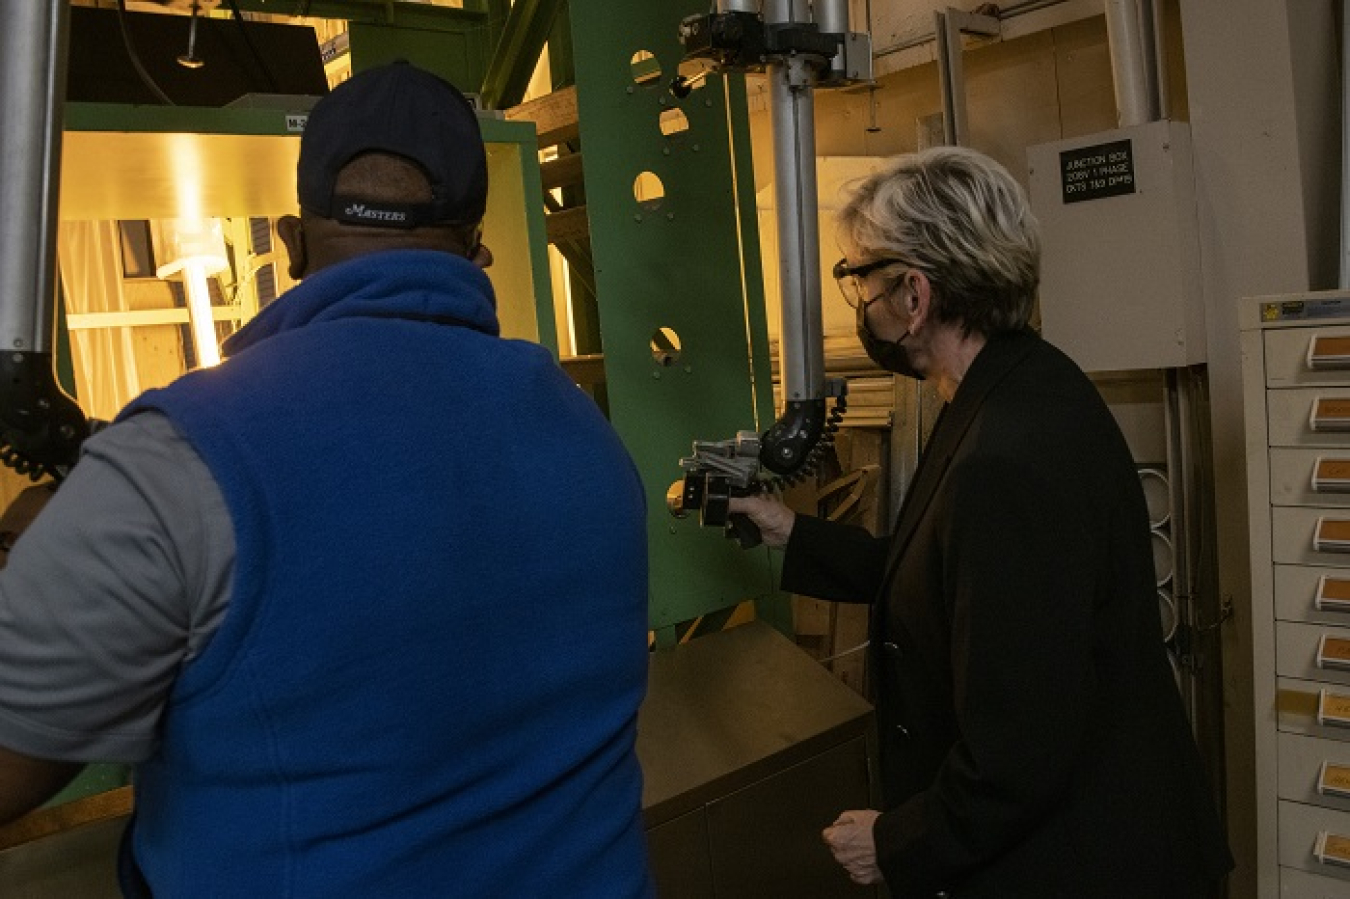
[(1032, 738)]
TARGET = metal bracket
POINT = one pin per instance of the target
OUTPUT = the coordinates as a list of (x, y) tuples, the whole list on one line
[(949, 24)]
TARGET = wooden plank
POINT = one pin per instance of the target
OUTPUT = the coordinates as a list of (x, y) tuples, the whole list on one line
[(554, 116), (585, 370), (561, 172), (569, 224), (46, 822)]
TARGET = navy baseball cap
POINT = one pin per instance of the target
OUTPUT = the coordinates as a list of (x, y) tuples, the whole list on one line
[(401, 109)]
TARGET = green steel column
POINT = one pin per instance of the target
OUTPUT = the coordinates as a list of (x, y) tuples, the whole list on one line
[(688, 262), (517, 52)]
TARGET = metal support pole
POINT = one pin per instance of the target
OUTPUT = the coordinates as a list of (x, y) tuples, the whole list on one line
[(792, 115), (32, 95), (1176, 413), (948, 26), (1132, 63), (792, 111), (1161, 94), (951, 72)]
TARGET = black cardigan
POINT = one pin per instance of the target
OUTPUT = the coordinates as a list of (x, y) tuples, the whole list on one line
[(1033, 741)]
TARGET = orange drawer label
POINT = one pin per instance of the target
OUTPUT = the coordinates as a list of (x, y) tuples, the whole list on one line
[(1333, 709), (1335, 779), (1333, 849), (1326, 350), (1333, 589), (1334, 652), (1333, 530), (1332, 408), (1332, 470)]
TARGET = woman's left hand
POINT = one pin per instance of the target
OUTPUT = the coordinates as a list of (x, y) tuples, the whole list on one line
[(853, 846)]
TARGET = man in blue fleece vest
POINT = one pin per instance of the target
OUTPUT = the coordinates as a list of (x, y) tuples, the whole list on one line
[(366, 604)]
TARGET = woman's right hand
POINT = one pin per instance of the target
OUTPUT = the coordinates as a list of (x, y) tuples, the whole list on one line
[(770, 515)]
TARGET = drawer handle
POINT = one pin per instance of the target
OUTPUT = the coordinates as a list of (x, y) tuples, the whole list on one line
[(1334, 780), (1333, 709), (1328, 352), (1332, 849), (1330, 414), (1332, 535), (1331, 475), (1333, 653), (1333, 594)]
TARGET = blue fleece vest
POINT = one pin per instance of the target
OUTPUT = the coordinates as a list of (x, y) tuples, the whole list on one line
[(427, 680)]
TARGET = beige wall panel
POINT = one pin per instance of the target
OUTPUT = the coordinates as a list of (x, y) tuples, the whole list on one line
[(1083, 70), (1034, 89), (1011, 99)]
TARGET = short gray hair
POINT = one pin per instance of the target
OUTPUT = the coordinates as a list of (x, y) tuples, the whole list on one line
[(961, 219)]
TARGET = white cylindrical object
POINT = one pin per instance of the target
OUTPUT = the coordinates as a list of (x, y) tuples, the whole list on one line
[(1167, 612), (196, 250), (1162, 558), (194, 240), (801, 342), (1129, 66), (1157, 496), (200, 315)]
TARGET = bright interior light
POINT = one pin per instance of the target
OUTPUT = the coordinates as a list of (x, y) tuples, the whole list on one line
[(199, 313), (197, 250)]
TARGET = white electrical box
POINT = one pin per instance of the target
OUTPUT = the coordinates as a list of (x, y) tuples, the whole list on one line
[(1120, 264)]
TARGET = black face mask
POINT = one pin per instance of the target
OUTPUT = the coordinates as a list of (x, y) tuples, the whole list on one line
[(889, 354)]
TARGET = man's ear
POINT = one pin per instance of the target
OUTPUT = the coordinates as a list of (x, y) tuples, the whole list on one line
[(292, 234)]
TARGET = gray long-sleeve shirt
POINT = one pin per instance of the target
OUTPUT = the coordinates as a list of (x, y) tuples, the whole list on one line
[(122, 579)]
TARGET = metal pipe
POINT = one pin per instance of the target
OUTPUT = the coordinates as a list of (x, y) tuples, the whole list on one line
[(783, 12), (726, 6), (1148, 57), (832, 18), (1002, 14), (1134, 100), (1161, 92), (951, 71), (1176, 413), (32, 98), (792, 114)]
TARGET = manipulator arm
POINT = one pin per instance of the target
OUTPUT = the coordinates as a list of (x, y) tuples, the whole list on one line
[(799, 46)]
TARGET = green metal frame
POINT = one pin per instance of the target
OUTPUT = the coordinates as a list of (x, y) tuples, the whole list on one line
[(522, 41), (689, 263), (400, 13), (454, 43)]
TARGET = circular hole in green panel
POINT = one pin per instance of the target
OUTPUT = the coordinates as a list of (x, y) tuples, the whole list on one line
[(665, 346), (673, 121), (646, 70), (648, 191)]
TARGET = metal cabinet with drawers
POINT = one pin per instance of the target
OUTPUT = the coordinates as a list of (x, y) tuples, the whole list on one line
[(1296, 382)]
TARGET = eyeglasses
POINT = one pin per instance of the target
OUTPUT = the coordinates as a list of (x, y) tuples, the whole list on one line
[(850, 279)]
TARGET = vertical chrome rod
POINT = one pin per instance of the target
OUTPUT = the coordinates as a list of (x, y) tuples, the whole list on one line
[(33, 47), (792, 112)]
